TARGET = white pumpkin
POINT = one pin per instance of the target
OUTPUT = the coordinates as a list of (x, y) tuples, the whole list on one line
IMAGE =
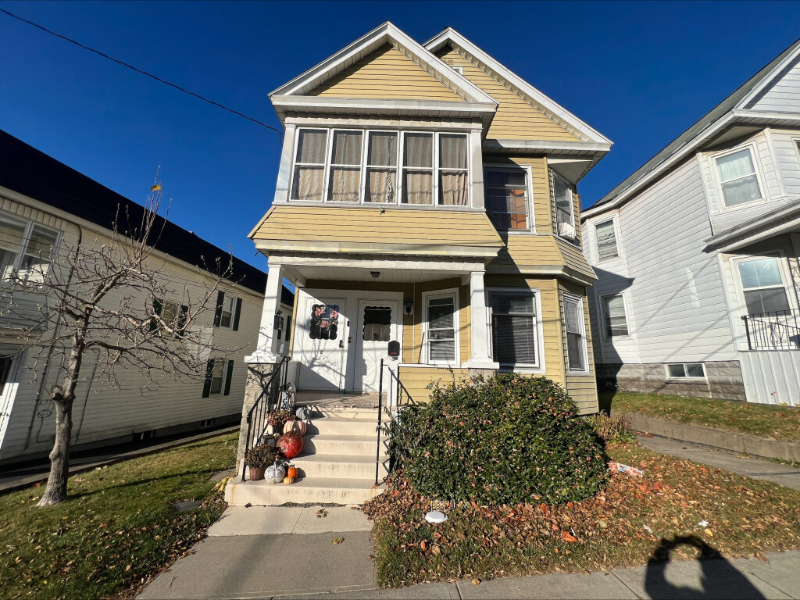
[(274, 474), (270, 430), (299, 426)]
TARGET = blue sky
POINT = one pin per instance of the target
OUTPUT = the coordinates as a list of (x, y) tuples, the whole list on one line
[(640, 73)]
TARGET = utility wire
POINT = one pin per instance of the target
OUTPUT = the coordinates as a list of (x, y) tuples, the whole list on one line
[(140, 71)]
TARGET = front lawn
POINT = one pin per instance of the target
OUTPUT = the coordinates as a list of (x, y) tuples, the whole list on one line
[(764, 420), (622, 526), (117, 529)]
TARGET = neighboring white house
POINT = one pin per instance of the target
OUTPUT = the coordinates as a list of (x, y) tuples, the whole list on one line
[(697, 254), (45, 204)]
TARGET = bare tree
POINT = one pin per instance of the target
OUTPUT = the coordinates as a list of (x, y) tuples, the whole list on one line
[(105, 296)]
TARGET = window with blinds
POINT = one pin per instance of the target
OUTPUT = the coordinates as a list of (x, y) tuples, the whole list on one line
[(441, 329), (514, 328), (576, 341), (614, 313), (606, 240)]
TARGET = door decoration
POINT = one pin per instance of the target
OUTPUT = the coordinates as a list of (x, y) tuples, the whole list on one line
[(324, 321)]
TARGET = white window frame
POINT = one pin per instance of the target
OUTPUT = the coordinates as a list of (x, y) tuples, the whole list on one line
[(783, 267), (174, 325), (539, 365), (26, 239), (603, 316), (531, 222), (686, 376), (567, 297), (221, 391), (571, 200), (426, 296), (401, 133), (234, 301), (751, 147), (615, 224)]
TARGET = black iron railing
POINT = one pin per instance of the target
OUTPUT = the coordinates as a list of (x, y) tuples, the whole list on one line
[(264, 406), (403, 400), (773, 331)]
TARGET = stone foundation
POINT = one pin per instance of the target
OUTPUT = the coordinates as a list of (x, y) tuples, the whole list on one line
[(723, 380)]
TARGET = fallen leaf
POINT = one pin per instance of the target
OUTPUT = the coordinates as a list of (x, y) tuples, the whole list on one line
[(435, 549), (422, 545), (337, 540), (761, 557), (476, 582), (568, 537)]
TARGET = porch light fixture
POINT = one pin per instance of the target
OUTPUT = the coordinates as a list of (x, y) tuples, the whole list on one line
[(375, 274), (408, 306)]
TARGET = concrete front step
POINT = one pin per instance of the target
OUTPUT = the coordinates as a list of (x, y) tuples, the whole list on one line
[(312, 490), (363, 445), (332, 426), (358, 414), (342, 466)]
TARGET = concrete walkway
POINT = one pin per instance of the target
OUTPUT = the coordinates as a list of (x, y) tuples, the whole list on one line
[(756, 468)]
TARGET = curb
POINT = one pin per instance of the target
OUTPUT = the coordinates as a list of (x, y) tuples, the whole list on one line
[(716, 438)]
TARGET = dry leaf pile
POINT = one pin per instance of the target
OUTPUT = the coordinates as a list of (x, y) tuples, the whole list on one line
[(621, 526)]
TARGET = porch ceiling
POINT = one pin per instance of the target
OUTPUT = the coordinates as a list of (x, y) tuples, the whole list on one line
[(304, 273)]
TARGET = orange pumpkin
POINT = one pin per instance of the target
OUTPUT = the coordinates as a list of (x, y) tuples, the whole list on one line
[(291, 472)]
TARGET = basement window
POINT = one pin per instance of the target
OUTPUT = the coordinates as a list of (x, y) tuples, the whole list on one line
[(686, 371)]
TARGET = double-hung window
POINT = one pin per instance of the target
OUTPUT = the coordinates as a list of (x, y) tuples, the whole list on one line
[(738, 178), (228, 311), (606, 240), (174, 316), (614, 313), (386, 167), (565, 218), (441, 331), (576, 337), (507, 197), (514, 328), (764, 288), (25, 249), (219, 377), (345, 169)]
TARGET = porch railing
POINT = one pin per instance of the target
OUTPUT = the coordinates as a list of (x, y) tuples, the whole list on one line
[(773, 330), (403, 400), (264, 406)]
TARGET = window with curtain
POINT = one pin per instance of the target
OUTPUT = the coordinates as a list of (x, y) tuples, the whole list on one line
[(382, 167), (345, 172), (763, 285), (614, 313), (576, 342), (441, 332), (453, 173), (606, 240), (507, 197), (309, 166), (514, 328), (563, 200), (418, 168), (737, 176)]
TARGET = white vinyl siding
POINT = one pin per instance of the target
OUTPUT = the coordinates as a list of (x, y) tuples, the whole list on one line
[(783, 95)]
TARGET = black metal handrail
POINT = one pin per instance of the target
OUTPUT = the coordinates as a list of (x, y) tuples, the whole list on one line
[(778, 330), (391, 414), (265, 404)]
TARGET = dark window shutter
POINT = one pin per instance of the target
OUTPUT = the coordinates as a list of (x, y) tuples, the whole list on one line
[(218, 312), (288, 335), (181, 322), (228, 378), (237, 315), (209, 374), (158, 305)]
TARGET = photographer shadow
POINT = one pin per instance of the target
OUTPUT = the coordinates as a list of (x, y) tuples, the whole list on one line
[(719, 578)]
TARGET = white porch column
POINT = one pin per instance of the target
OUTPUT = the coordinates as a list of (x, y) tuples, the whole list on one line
[(479, 327), (266, 332)]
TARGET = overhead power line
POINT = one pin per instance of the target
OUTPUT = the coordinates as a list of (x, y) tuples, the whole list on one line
[(140, 71)]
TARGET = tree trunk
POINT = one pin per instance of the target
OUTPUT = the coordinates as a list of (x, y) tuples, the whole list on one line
[(56, 490)]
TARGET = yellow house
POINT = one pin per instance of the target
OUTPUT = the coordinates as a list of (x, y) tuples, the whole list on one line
[(427, 196)]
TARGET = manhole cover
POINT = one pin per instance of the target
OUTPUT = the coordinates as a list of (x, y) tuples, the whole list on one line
[(185, 506)]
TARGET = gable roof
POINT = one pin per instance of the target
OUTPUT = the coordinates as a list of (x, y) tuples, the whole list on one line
[(296, 93), (30, 172), (532, 95), (734, 108)]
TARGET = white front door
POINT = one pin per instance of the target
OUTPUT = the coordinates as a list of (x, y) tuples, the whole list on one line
[(377, 325), (323, 344)]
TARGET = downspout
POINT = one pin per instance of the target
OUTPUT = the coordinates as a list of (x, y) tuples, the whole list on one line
[(55, 336)]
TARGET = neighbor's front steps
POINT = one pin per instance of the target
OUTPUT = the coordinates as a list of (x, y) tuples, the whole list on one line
[(337, 464)]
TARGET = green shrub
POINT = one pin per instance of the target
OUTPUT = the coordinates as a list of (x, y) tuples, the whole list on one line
[(612, 429), (505, 440)]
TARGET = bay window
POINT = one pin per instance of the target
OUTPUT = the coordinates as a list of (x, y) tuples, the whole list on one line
[(738, 178), (382, 167), (576, 338), (565, 219), (507, 197), (514, 328)]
